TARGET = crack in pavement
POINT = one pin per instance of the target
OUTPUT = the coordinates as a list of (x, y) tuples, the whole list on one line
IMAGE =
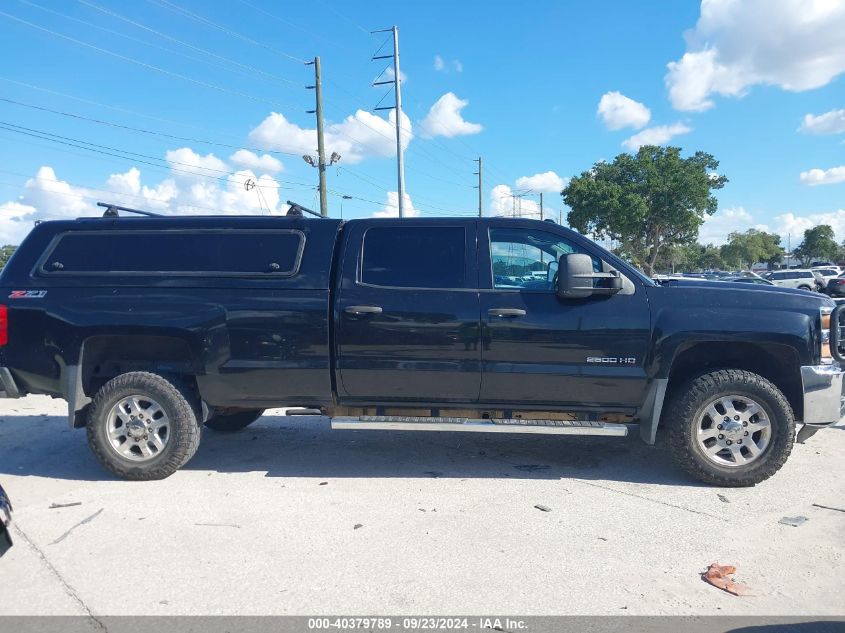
[(68, 588), (581, 481), (663, 503)]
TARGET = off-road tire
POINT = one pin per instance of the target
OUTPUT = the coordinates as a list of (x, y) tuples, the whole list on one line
[(685, 406), (233, 422), (185, 433)]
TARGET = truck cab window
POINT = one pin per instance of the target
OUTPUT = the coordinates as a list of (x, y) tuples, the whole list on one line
[(414, 257), (528, 258)]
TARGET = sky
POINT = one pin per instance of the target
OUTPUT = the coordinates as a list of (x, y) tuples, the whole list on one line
[(192, 106)]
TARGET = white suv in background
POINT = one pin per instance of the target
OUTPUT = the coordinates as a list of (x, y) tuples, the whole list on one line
[(801, 278), (828, 272)]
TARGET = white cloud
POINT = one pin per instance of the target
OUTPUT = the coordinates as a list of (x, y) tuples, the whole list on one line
[(391, 208), (389, 74), (832, 122), (444, 118), (718, 226), (15, 221), (823, 176), (441, 65), (657, 135), (796, 45), (251, 160), (548, 182), (618, 111), (789, 223), (359, 136), (276, 132), (186, 159), (47, 197)]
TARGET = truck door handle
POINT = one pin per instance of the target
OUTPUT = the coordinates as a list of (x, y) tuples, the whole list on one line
[(363, 310), (506, 312)]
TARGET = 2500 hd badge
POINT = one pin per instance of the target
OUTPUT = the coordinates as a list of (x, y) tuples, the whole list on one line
[(613, 360)]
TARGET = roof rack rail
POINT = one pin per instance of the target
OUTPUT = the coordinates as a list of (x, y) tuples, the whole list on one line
[(112, 211), (297, 210)]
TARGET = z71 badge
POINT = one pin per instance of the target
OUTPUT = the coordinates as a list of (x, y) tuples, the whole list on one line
[(28, 294)]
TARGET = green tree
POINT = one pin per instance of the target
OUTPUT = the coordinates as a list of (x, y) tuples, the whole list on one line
[(752, 246), (650, 201), (5, 253), (692, 257), (818, 243)]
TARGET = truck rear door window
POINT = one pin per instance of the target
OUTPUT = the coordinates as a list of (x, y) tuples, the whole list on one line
[(176, 252), (414, 257)]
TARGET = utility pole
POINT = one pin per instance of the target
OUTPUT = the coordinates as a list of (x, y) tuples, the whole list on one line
[(480, 190), (541, 205), (788, 249), (397, 91), (321, 149)]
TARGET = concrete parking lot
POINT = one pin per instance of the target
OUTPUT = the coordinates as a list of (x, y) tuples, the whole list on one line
[(289, 517)]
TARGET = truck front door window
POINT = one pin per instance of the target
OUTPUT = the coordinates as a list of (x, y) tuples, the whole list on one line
[(528, 259)]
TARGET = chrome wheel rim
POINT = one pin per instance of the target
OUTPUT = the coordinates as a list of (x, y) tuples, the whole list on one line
[(138, 428), (733, 431)]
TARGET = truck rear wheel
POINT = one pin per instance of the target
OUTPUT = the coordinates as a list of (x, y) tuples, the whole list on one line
[(231, 422), (142, 426), (730, 428)]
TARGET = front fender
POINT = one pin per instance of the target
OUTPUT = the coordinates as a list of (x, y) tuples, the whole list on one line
[(677, 329)]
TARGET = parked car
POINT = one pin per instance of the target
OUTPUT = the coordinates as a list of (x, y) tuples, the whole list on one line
[(758, 281), (151, 327), (828, 273), (800, 278), (836, 286), (5, 522)]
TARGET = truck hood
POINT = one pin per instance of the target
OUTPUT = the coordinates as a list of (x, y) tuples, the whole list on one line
[(735, 295)]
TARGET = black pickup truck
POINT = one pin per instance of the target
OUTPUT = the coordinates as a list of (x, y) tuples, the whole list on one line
[(153, 327)]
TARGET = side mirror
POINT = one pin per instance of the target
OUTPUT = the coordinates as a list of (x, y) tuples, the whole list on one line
[(575, 278)]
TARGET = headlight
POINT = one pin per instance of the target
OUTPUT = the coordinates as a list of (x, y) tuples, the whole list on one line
[(825, 355)]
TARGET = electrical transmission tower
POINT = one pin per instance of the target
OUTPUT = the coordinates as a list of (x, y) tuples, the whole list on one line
[(397, 91)]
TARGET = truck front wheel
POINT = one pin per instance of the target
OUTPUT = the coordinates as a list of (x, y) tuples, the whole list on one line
[(231, 422), (142, 426), (730, 428)]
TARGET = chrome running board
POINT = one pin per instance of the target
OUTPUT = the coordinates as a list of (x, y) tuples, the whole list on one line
[(507, 425)]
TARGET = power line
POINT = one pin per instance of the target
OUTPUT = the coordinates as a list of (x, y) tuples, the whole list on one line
[(147, 44), (190, 79), (202, 20), (181, 138), (140, 63), (128, 155), (140, 25), (372, 183), (343, 17), (65, 95), (381, 204), (287, 22), (142, 130)]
